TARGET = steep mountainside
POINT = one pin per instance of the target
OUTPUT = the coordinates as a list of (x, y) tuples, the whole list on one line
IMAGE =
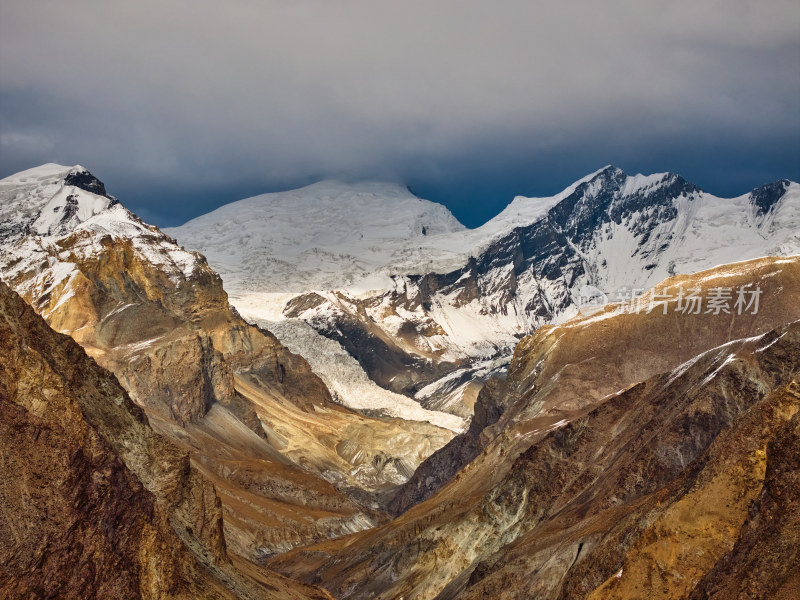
[(291, 465), (96, 271), (94, 504), (620, 458), (436, 312)]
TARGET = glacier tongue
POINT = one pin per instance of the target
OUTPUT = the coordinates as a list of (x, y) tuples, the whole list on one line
[(347, 381)]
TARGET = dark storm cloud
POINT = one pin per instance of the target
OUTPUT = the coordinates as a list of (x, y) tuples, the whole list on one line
[(197, 103)]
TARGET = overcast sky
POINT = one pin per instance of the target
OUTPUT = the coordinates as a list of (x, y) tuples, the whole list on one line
[(184, 105)]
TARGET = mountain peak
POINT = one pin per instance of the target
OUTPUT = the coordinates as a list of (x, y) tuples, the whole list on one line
[(54, 215), (40, 174), (50, 199), (603, 173), (81, 178), (767, 196), (609, 169), (77, 175)]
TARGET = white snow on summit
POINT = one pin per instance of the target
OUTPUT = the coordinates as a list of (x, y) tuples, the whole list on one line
[(333, 235), (707, 232), (328, 235)]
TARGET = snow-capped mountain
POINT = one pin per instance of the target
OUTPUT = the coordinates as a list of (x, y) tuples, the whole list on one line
[(41, 207), (334, 235), (421, 312), (328, 235)]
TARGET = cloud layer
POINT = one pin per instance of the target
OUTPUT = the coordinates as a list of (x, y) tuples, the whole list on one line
[(204, 101)]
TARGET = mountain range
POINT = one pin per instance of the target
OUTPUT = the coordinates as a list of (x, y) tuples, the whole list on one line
[(341, 391), (428, 308)]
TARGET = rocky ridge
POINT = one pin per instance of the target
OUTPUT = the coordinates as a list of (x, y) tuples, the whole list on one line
[(94, 503), (611, 427)]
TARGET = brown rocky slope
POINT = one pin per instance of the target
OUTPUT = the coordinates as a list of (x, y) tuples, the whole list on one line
[(588, 488), (94, 504), (562, 371)]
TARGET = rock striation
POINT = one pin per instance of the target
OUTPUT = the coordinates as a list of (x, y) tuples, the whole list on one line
[(94, 503)]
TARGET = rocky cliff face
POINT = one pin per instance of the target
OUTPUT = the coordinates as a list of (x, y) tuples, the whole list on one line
[(94, 503), (230, 394), (441, 466), (153, 313), (120, 287), (625, 462), (763, 561)]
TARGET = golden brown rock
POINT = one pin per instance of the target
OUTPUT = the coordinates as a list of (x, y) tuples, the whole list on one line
[(158, 318), (94, 504)]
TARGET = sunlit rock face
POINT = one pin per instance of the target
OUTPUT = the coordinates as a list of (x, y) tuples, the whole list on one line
[(152, 312), (95, 504)]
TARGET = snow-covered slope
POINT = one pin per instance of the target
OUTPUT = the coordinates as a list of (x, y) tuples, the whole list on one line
[(448, 300), (333, 235), (356, 237), (324, 236), (655, 232)]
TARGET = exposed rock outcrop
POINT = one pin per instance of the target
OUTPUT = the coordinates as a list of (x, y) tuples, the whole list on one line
[(764, 561), (94, 504)]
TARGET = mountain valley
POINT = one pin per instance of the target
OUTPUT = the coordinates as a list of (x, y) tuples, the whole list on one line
[(341, 392)]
